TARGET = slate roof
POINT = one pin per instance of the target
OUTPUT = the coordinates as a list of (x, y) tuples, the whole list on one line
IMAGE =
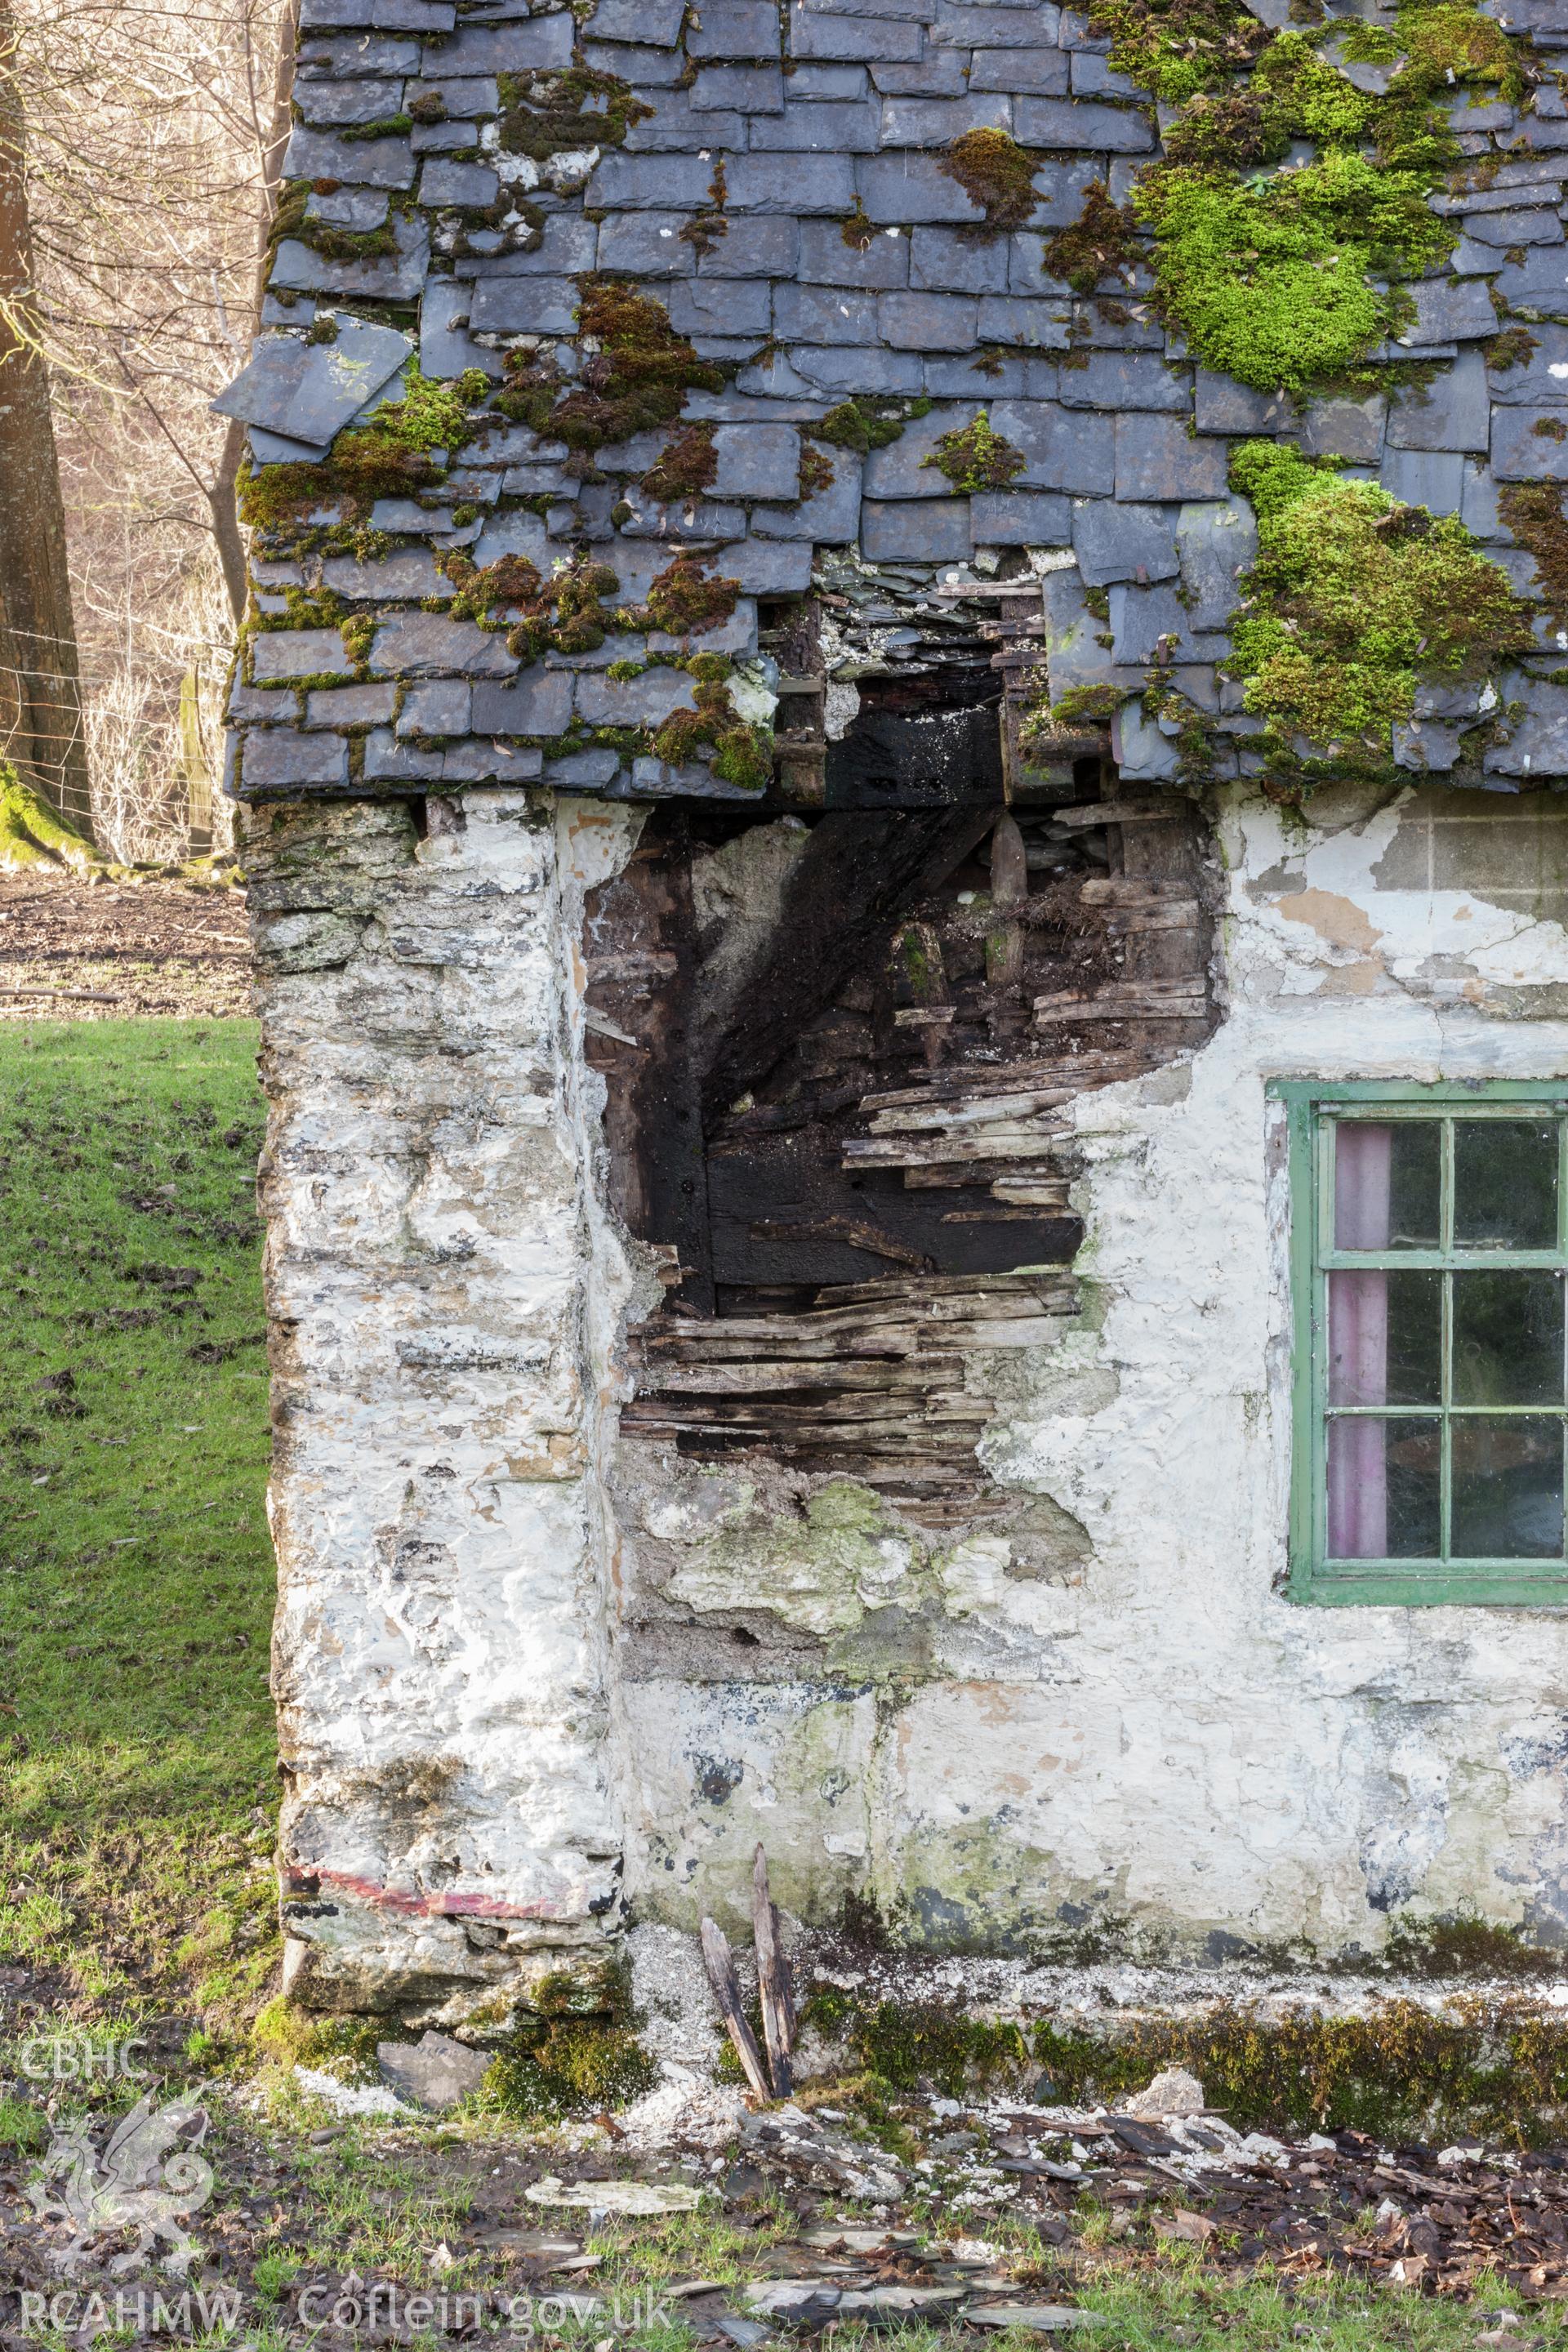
[(786, 119)]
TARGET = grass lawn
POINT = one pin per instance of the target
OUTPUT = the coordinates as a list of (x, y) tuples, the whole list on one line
[(136, 1747)]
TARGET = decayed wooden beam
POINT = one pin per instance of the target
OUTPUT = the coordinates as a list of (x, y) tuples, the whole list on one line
[(719, 1963), (1079, 816), (772, 1981)]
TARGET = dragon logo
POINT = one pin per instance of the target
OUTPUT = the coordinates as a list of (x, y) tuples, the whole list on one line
[(149, 2177)]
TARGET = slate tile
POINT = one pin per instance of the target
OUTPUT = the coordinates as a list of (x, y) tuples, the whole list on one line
[(937, 122), (1352, 429), (1425, 478), (424, 644), (280, 654), (1454, 415), (821, 83), (773, 183), (1540, 380), (735, 29), (676, 127), (1018, 518), (278, 704), (365, 162), (765, 569), (1128, 380), (476, 763), (475, 184), (1448, 311), (1064, 449), (1024, 73), (1079, 123), (326, 103), (645, 244), (990, 27), (1478, 503), (916, 531), (1095, 76), (1027, 271), (817, 130), (406, 572), (1143, 753), (927, 322), (1425, 747), (349, 706), (440, 708), (845, 368), (766, 245), (916, 12), (910, 188), (1520, 453), (860, 38), (569, 244), (428, 17), (823, 314), (899, 469), (941, 74), (1216, 542), (1539, 282), (518, 532), (326, 15), (651, 780), (688, 519), (1539, 746), (310, 391), (465, 101), (1537, 226), (826, 260), (538, 41), (955, 377), (582, 771), (525, 306), (647, 70), (942, 261), (707, 307), (279, 756), (1076, 656), (656, 23), (653, 182), (1009, 319), (1062, 190), (1114, 539), (1155, 459), (829, 518), (750, 89), (333, 57), (643, 701), (388, 761), (756, 461), (537, 703), (1222, 405)]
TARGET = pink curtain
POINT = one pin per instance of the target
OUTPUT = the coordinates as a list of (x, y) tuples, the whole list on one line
[(1358, 1345)]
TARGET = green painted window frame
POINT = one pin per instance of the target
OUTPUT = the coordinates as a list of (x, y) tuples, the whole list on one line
[(1312, 1108)]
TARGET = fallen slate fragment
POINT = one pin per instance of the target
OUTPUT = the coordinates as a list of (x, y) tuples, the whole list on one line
[(615, 2196), (1047, 2318), (743, 2331), (435, 2072), (310, 391), (1173, 2092)]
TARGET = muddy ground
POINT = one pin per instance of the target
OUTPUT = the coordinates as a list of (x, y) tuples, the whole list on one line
[(71, 949)]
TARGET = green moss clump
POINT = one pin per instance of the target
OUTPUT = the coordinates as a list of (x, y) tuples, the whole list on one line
[(685, 599), (918, 2045), (1353, 598), (34, 835), (1271, 284), (858, 228), (564, 613), (1081, 706), (995, 173), (560, 2067), (815, 471), (1468, 1947), (1511, 349), (859, 423), (291, 220), (343, 2046), (546, 114), (1101, 243), (741, 754), (1177, 47), (685, 467), (974, 457), (1533, 512), (389, 457), (638, 375)]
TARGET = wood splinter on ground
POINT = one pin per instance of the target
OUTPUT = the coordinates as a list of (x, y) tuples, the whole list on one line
[(773, 1988)]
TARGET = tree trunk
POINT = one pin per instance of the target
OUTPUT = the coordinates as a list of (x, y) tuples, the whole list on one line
[(40, 695)]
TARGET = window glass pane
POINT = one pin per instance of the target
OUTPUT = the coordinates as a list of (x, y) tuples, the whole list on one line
[(1386, 1184), (1386, 1339), (1385, 1479), (1505, 1183), (1508, 1490), (1507, 1339)]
